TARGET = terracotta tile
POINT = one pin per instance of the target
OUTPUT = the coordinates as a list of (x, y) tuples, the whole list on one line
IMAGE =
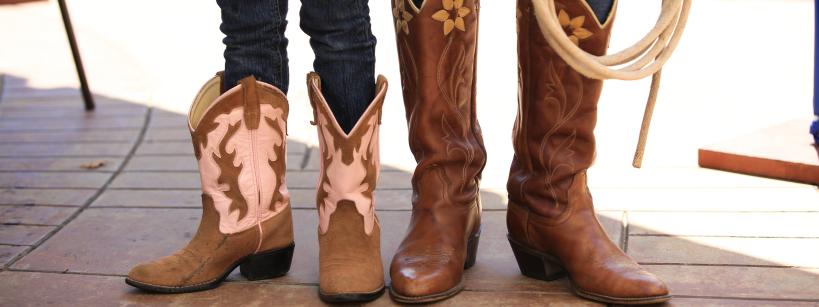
[(739, 282), (28, 92), (148, 198), (27, 288), (726, 251), (163, 134), (787, 153), (724, 302), (313, 164), (754, 224), (156, 113), (294, 161), (119, 135), (41, 99), (33, 95), (22, 234), (37, 215), (162, 163), (514, 298), (183, 147), (708, 199), (495, 270), (179, 122), (56, 164), (157, 180), (388, 180), (39, 289), (294, 146), (609, 177), (53, 180), (7, 252), (65, 149), (54, 197), (63, 111), (88, 122), (122, 238)]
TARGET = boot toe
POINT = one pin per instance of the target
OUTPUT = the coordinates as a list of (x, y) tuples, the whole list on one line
[(632, 287), (147, 273), (162, 272), (422, 280), (347, 281), (648, 285)]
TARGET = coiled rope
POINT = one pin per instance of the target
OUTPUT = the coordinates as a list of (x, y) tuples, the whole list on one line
[(644, 58)]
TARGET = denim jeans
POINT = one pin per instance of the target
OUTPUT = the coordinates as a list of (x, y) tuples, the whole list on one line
[(340, 37), (601, 8)]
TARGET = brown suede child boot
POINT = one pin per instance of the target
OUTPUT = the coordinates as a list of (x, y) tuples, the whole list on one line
[(350, 268), (239, 141)]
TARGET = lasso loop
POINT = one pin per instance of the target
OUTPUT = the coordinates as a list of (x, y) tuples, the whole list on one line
[(644, 58)]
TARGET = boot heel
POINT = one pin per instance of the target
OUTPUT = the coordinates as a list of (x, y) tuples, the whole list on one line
[(536, 265), (472, 249), (268, 264)]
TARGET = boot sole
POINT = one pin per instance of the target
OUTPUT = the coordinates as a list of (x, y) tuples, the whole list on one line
[(541, 266), (264, 265), (471, 257), (342, 298)]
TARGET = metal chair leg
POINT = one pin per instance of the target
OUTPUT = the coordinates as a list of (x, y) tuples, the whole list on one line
[(69, 31)]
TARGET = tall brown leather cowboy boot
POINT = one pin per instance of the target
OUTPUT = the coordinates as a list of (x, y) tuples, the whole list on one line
[(437, 51), (350, 268), (552, 226), (239, 142)]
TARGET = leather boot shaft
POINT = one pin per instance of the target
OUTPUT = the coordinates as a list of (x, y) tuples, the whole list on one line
[(239, 143), (437, 50), (553, 134)]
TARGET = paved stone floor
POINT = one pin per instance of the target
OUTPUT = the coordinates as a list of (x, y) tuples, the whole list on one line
[(68, 235)]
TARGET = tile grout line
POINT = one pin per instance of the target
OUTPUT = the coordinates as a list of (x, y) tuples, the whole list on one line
[(91, 129), (677, 236), (306, 159), (62, 142), (312, 284), (91, 200), (810, 300), (2, 86), (731, 265), (624, 232), (58, 171)]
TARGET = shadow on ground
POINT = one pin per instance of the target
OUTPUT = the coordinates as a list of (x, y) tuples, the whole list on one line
[(68, 235)]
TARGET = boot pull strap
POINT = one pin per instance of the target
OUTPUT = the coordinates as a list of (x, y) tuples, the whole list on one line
[(311, 78), (221, 76), (250, 101)]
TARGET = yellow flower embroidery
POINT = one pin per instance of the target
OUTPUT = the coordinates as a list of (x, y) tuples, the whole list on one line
[(574, 27), (402, 17), (452, 8)]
